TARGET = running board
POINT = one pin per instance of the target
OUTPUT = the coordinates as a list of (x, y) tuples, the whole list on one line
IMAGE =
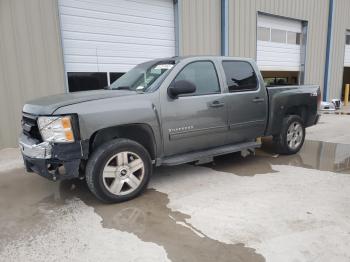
[(208, 154)]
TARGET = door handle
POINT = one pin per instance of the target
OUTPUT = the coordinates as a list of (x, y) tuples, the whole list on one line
[(216, 103), (258, 100)]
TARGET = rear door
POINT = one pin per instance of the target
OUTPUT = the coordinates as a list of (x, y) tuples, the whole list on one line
[(246, 101), (195, 121)]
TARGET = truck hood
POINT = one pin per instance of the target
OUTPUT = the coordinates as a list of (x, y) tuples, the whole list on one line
[(49, 104)]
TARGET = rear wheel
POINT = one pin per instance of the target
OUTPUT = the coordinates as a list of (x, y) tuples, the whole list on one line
[(118, 170), (292, 135)]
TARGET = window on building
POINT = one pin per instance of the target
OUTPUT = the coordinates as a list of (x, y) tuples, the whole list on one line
[(203, 75), (348, 39), (82, 81), (293, 38), (114, 76), (240, 76), (278, 36), (263, 34)]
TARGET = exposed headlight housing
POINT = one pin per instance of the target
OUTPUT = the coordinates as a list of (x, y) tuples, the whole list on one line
[(56, 129)]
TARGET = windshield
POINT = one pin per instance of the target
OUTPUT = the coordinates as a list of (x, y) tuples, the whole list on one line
[(143, 76)]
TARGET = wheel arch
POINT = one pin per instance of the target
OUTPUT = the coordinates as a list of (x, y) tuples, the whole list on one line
[(140, 133), (299, 110), (277, 117)]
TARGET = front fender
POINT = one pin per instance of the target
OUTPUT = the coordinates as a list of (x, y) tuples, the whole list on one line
[(100, 114)]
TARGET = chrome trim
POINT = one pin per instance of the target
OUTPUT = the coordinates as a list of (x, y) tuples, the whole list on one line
[(197, 132), (32, 150)]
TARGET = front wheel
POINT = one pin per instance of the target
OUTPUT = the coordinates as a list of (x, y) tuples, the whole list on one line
[(118, 170), (292, 135)]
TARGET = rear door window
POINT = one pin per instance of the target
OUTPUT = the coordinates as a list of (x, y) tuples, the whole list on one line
[(240, 76)]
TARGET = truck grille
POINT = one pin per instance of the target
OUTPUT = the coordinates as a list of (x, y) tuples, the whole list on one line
[(30, 126)]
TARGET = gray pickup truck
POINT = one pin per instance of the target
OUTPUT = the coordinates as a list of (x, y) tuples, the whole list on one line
[(163, 112)]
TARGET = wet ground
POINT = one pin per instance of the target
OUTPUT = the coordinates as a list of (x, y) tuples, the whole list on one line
[(316, 155), (265, 207)]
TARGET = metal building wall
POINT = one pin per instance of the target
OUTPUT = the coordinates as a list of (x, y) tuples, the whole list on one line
[(341, 23), (200, 27), (242, 29), (30, 59)]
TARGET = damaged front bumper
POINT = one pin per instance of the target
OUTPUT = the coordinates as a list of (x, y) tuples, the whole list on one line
[(53, 161)]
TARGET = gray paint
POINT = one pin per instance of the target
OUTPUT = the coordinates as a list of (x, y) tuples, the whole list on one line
[(243, 21), (48, 105), (188, 123), (30, 59)]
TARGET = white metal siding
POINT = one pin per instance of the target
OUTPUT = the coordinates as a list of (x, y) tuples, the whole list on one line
[(272, 56), (347, 56), (278, 57), (115, 35), (279, 23)]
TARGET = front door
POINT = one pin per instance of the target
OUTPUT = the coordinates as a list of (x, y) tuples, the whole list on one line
[(195, 121)]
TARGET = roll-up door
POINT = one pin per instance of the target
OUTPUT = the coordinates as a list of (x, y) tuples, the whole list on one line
[(104, 38), (278, 43)]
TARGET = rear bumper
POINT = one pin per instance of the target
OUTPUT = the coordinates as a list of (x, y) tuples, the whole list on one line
[(53, 161)]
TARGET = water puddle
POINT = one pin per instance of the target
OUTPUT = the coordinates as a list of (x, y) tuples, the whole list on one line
[(317, 155), (335, 113), (24, 199), (151, 220)]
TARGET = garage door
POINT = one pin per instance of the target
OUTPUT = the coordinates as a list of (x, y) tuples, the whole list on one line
[(104, 38), (347, 50), (278, 43)]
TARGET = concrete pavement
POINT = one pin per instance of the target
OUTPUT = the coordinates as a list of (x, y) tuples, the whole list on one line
[(259, 208)]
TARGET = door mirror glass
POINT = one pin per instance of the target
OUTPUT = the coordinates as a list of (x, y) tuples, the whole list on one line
[(181, 87)]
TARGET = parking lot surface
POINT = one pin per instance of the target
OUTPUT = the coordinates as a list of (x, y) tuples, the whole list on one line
[(265, 207)]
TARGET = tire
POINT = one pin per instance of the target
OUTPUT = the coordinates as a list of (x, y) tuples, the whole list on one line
[(118, 170), (292, 136)]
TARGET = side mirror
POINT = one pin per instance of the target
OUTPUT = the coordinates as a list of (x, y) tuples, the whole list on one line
[(181, 87)]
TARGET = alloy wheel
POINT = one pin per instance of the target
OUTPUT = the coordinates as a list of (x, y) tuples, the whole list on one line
[(123, 173)]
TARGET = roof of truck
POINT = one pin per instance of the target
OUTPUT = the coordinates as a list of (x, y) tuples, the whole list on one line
[(179, 58)]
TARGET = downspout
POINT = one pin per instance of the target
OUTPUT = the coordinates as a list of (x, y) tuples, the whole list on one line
[(224, 27), (328, 50), (177, 19)]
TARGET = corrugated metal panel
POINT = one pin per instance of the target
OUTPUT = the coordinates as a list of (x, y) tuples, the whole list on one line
[(200, 27), (341, 23), (242, 29), (114, 36), (30, 59)]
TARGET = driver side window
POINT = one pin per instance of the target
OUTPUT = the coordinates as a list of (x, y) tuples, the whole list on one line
[(203, 75)]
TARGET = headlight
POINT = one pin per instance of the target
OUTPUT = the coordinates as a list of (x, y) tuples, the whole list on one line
[(57, 129)]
